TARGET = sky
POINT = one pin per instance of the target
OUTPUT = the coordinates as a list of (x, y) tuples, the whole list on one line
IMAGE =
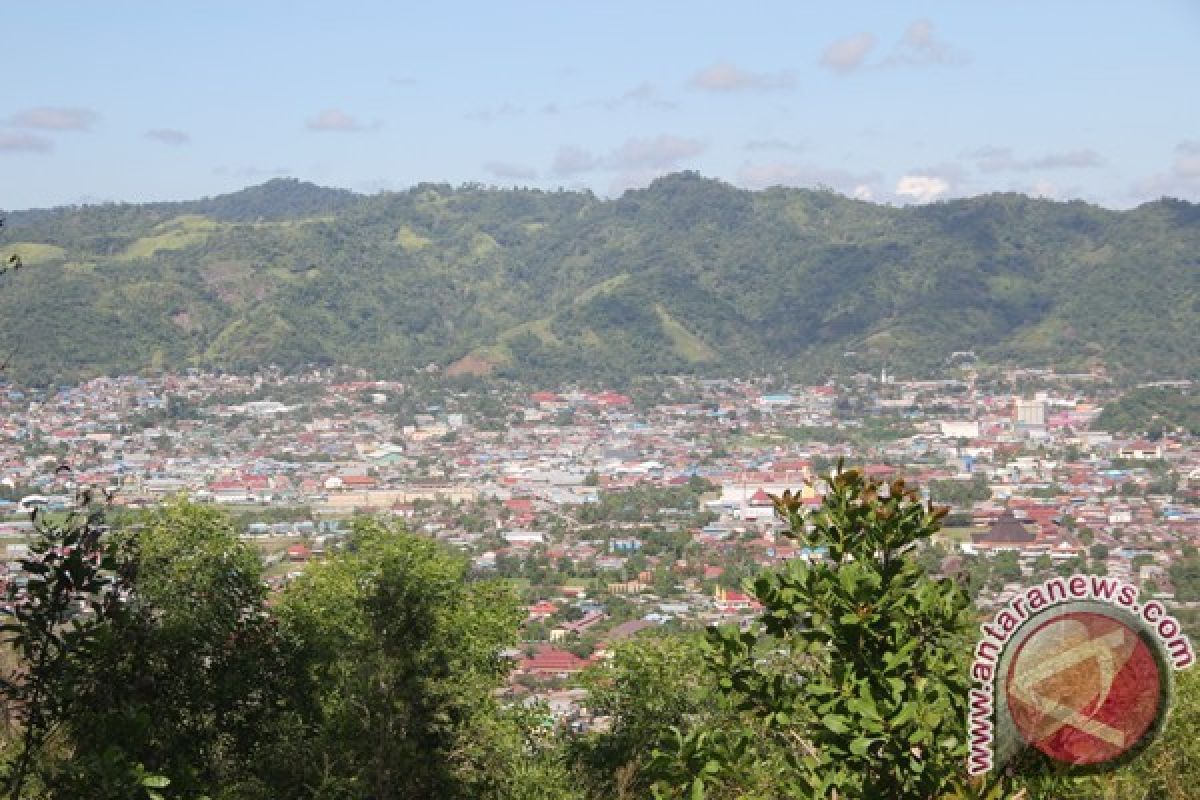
[(891, 101)]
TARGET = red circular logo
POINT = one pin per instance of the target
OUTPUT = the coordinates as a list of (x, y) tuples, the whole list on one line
[(1084, 688)]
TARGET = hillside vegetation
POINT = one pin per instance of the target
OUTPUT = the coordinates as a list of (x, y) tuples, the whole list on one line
[(687, 274), (1154, 410)]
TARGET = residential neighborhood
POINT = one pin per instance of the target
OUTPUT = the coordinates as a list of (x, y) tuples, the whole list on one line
[(618, 512)]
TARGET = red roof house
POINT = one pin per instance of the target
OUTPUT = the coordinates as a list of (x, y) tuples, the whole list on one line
[(551, 661)]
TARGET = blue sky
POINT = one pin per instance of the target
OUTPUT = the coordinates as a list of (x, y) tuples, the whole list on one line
[(893, 101)]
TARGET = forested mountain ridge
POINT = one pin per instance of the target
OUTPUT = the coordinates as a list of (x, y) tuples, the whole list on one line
[(688, 274)]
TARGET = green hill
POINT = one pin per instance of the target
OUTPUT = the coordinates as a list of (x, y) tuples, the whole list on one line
[(688, 274)]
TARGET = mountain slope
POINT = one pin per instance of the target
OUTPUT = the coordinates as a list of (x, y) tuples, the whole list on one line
[(687, 274)]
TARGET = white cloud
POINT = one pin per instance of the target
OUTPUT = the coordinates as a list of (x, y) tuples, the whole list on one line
[(634, 179), (334, 119), (24, 143), (775, 144), (572, 161), (645, 95), (253, 172), (1002, 159), (727, 77), (50, 118), (661, 152), (1044, 188), (637, 161), (846, 55), (168, 136), (503, 169), (1073, 159), (760, 176), (922, 188), (920, 46), (1181, 180), (1187, 159), (992, 159)]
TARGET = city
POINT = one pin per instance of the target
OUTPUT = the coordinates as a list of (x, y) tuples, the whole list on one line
[(600, 401), (617, 512)]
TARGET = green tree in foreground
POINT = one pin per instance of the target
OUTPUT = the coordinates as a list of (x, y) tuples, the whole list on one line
[(57, 614), (651, 684), (856, 668), (406, 654), (150, 663), (190, 679)]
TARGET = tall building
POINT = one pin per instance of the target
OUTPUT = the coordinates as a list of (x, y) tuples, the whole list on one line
[(1030, 413)]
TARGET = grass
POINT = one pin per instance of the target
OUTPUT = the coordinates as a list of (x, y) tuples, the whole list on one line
[(32, 253), (1043, 334), (482, 244), (290, 223), (601, 287), (686, 344), (953, 535), (538, 327), (410, 240), (270, 545), (282, 568), (178, 233), (500, 353)]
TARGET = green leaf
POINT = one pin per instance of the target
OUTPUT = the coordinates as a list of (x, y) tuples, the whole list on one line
[(836, 723), (860, 745)]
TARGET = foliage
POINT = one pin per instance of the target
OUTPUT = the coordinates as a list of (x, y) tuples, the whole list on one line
[(858, 661), (1185, 577), (405, 653), (1152, 410), (687, 274), (69, 593), (960, 494), (151, 665), (191, 679), (639, 503), (653, 684)]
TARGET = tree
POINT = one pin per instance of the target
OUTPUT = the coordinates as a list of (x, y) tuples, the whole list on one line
[(857, 666), (1006, 568), (193, 679), (1070, 566), (69, 593), (652, 683), (1185, 577), (11, 263), (406, 653), (961, 494)]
